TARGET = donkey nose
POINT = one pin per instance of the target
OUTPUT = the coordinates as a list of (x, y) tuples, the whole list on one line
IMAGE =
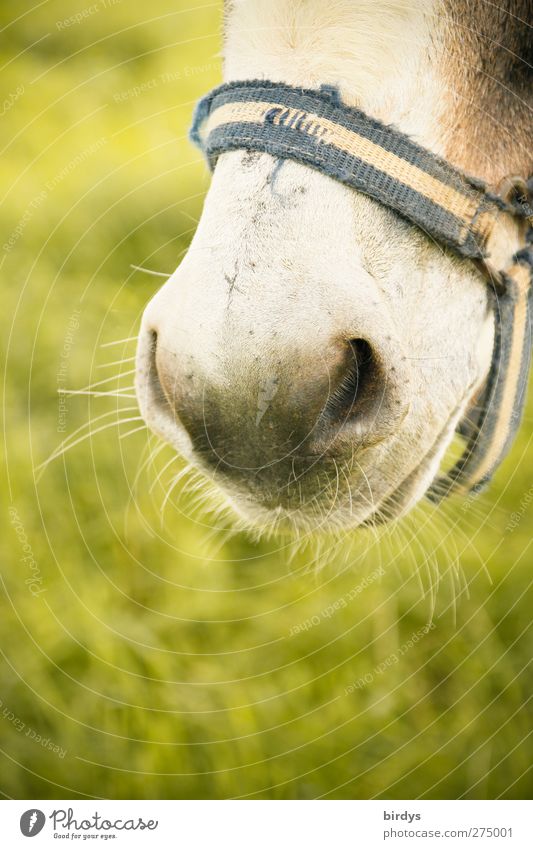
[(357, 397), (248, 410)]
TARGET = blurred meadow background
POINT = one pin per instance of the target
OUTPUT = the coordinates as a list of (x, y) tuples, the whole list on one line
[(145, 650)]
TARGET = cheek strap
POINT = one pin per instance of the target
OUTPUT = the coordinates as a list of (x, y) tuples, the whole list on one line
[(315, 128), (492, 425)]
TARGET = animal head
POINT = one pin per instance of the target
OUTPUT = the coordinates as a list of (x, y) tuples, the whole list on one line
[(314, 352)]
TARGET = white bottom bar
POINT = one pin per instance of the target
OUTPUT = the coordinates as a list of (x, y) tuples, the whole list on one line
[(267, 824)]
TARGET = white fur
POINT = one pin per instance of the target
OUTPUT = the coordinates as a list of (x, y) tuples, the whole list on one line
[(310, 260)]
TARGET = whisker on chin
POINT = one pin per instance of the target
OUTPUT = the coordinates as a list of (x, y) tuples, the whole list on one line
[(162, 471), (153, 451), (428, 570), (174, 483)]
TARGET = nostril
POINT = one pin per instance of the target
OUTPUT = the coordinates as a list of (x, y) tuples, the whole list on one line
[(155, 386), (358, 386), (155, 383), (158, 383)]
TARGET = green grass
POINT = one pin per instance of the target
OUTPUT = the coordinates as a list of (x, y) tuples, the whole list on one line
[(163, 658)]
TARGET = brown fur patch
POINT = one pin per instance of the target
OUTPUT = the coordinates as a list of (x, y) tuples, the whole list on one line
[(488, 68)]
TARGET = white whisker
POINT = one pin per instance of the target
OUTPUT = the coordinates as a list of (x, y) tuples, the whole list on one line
[(142, 464), (119, 341), (109, 379), (110, 394), (170, 490), (93, 421), (162, 471), (152, 455), (68, 445), (150, 271), (130, 432)]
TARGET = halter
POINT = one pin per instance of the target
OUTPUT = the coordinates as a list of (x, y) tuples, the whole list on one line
[(456, 210)]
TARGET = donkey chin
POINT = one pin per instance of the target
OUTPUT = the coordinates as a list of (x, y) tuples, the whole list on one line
[(294, 448)]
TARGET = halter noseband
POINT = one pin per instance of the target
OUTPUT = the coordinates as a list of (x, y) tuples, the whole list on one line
[(457, 211)]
